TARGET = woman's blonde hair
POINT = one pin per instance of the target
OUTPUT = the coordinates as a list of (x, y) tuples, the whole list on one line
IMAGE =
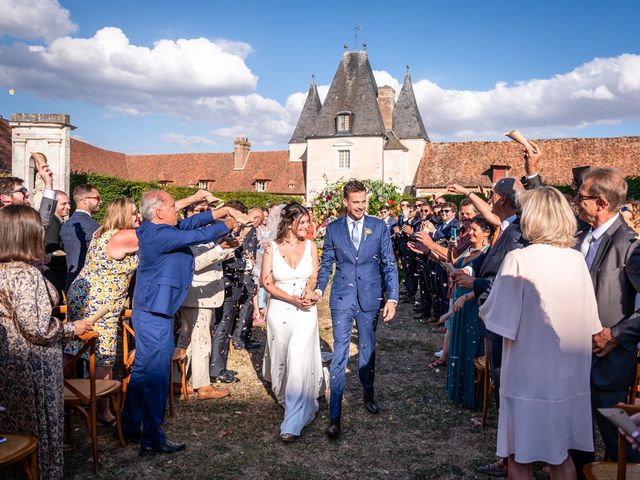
[(547, 218), (119, 216)]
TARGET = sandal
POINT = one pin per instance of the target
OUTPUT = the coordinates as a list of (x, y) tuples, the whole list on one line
[(437, 363)]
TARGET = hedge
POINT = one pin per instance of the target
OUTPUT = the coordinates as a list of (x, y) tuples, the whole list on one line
[(112, 187)]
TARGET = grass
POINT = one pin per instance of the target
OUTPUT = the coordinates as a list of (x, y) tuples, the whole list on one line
[(418, 434)]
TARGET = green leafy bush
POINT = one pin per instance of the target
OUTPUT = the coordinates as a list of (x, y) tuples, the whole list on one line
[(112, 187)]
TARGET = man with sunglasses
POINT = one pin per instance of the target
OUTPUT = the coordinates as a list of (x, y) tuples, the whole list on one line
[(76, 233), (13, 192)]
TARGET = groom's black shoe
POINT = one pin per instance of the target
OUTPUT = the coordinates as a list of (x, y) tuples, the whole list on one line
[(371, 405), (333, 431)]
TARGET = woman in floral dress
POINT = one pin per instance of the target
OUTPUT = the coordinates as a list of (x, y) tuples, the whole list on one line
[(31, 386), (104, 280)]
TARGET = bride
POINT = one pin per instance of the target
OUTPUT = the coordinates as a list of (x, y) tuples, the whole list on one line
[(292, 360)]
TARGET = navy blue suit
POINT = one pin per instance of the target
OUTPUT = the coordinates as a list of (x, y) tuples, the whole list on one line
[(356, 293), (76, 234), (165, 272)]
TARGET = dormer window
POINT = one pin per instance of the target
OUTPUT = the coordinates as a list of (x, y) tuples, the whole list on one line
[(261, 185), (343, 122)]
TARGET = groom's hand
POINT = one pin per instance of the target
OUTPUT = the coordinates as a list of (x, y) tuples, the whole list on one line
[(389, 311)]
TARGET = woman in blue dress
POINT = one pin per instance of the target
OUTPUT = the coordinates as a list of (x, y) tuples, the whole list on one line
[(467, 331)]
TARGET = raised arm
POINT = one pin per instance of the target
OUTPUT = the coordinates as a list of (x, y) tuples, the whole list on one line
[(171, 239), (481, 206)]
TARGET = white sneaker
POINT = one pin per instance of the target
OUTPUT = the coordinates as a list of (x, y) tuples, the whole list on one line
[(438, 354)]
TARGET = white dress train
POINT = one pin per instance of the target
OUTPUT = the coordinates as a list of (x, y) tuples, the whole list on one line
[(292, 361)]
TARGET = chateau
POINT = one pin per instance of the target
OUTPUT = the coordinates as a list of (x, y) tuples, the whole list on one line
[(360, 131)]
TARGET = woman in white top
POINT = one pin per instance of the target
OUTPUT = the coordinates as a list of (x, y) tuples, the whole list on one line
[(543, 304), (292, 360)]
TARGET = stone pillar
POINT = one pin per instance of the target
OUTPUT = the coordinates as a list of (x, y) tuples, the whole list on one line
[(47, 134), (386, 103)]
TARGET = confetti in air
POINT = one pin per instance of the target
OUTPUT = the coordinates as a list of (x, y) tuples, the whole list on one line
[(12, 91)]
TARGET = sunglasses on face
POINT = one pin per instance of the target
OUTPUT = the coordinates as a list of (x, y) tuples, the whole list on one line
[(404, 204), (425, 211), (446, 210), (582, 198), (22, 190)]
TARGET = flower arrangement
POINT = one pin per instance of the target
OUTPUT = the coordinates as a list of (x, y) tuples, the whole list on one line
[(327, 205)]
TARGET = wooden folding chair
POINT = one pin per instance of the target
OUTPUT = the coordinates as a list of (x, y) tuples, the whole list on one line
[(23, 449), (82, 394), (619, 470), (483, 376), (60, 311), (129, 356)]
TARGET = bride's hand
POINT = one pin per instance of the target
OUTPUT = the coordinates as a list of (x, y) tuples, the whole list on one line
[(300, 303)]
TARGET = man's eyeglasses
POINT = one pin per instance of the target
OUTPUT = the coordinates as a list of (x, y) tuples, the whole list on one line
[(404, 204), (446, 210), (425, 211), (582, 198), (22, 190)]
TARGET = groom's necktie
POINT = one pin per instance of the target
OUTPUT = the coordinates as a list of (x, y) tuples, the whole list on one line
[(355, 235)]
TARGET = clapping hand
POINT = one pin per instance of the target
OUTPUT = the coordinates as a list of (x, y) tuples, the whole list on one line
[(229, 242), (407, 229), (462, 279), (418, 248)]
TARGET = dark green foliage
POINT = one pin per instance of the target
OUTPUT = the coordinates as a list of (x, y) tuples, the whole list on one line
[(112, 187)]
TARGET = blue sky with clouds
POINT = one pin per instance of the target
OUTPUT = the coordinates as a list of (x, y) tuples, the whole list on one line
[(145, 77)]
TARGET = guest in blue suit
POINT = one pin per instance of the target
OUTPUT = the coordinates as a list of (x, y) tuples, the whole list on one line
[(360, 248), (165, 272), (77, 232)]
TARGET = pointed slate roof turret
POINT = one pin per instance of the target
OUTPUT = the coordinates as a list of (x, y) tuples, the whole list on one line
[(354, 90), (309, 115), (407, 122)]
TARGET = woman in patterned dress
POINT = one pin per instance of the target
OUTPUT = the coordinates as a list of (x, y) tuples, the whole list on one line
[(104, 280), (31, 388)]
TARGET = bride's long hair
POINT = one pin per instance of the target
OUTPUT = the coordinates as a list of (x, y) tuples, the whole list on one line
[(290, 215)]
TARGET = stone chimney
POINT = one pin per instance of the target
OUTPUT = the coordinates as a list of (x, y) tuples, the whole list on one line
[(386, 103), (241, 148)]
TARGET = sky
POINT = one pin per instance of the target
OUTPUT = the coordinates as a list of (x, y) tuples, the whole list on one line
[(164, 76)]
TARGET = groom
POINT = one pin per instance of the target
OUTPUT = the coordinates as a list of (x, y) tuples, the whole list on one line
[(360, 248)]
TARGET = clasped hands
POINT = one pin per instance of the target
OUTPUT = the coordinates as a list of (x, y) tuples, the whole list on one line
[(306, 299), (462, 278)]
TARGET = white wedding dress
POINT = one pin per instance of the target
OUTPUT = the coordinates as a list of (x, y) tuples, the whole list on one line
[(292, 361)]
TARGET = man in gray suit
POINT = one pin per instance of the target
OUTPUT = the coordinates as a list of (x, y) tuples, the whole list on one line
[(612, 253), (13, 192)]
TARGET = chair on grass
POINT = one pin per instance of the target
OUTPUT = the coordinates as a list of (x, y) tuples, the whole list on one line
[(82, 394), (129, 356), (619, 470), (23, 449), (483, 377)]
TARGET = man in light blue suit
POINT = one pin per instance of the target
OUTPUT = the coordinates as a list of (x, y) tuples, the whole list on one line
[(360, 248), (165, 272)]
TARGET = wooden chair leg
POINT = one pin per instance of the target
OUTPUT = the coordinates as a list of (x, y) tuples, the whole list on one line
[(185, 392), (171, 406), (485, 399), (30, 465), (116, 402), (93, 426)]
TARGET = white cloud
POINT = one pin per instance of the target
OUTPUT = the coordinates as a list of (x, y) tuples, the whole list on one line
[(602, 91), (108, 69), (31, 19), (186, 140)]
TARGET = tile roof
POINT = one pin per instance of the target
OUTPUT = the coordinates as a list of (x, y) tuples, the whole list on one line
[(354, 90), (5, 146), (407, 122), (308, 117), (182, 169), (469, 163)]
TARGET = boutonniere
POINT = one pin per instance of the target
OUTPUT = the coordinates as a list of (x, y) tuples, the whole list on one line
[(367, 231)]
